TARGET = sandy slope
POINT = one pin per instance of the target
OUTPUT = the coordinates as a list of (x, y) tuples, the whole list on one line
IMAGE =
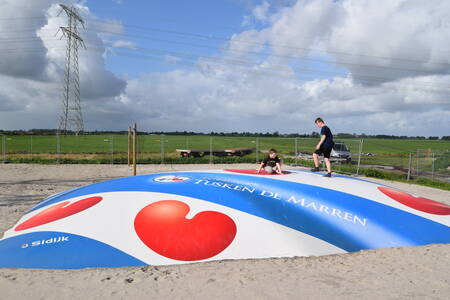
[(396, 273)]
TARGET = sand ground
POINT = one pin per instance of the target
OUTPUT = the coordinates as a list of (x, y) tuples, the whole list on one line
[(395, 273)]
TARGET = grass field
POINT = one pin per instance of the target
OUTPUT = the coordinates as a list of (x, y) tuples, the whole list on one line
[(155, 143), (431, 161), (156, 148)]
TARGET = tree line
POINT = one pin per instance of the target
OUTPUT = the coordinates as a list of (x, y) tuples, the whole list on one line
[(314, 134)]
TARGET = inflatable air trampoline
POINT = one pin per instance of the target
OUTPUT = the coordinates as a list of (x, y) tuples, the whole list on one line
[(182, 217)]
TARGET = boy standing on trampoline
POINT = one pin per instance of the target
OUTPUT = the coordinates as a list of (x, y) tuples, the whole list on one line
[(324, 147)]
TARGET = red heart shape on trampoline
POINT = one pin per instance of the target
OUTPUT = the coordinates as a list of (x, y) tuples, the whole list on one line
[(58, 211), (418, 203), (163, 227)]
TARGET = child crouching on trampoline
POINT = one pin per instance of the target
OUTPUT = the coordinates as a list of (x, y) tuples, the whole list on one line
[(271, 163)]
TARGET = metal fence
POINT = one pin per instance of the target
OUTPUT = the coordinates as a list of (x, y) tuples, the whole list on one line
[(434, 164), (413, 158)]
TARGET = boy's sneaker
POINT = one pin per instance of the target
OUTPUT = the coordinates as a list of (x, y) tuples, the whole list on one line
[(327, 175), (315, 170)]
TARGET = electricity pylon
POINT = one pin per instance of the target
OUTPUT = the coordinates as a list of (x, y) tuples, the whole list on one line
[(71, 117)]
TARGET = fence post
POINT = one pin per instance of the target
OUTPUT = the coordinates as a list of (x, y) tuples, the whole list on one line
[(257, 150), (432, 165), (161, 139), (31, 146), (58, 147), (417, 158), (134, 149), (129, 145), (409, 166), (140, 145), (4, 148), (296, 151), (210, 149), (359, 156), (111, 148)]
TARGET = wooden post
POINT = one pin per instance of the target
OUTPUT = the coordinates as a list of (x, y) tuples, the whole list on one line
[(129, 145), (134, 149)]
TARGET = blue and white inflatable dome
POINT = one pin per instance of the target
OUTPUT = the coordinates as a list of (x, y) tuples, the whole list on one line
[(179, 217)]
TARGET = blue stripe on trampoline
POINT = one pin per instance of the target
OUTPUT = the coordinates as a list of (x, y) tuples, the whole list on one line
[(59, 250)]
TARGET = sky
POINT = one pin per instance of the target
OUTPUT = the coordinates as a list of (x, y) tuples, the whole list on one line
[(373, 67)]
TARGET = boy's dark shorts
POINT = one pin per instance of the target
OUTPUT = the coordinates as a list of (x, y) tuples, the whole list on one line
[(326, 151)]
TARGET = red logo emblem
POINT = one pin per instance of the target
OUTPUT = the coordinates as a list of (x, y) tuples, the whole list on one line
[(171, 178), (163, 227), (58, 211), (418, 203)]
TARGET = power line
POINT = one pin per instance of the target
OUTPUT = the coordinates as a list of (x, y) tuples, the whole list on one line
[(194, 64), (249, 64), (25, 18), (271, 71), (306, 59), (362, 77), (212, 37), (219, 38)]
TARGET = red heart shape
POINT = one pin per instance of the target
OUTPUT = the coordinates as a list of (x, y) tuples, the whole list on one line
[(163, 227), (418, 203), (58, 211)]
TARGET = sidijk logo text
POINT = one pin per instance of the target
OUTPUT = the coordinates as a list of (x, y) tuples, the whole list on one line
[(54, 240)]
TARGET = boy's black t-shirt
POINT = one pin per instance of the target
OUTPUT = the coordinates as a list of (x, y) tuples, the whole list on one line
[(328, 143), (272, 162)]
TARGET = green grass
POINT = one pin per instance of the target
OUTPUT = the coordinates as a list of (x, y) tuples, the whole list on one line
[(154, 144), (386, 152)]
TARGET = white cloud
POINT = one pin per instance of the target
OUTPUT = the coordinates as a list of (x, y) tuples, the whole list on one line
[(124, 44), (405, 38), (32, 72), (22, 53), (393, 54)]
